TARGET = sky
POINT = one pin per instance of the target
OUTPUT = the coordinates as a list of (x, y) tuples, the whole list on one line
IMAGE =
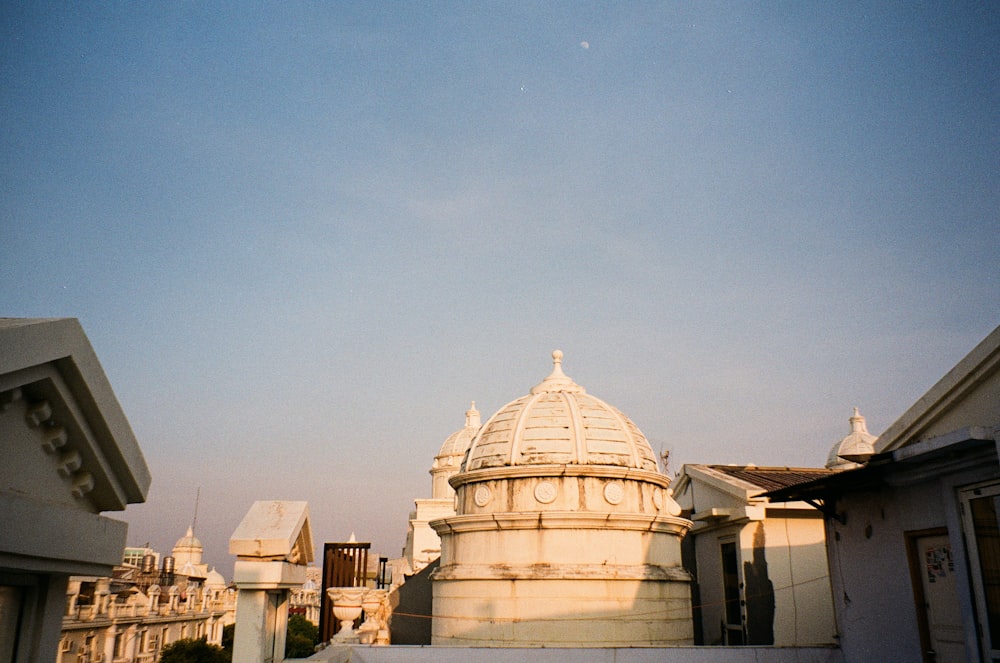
[(302, 237)]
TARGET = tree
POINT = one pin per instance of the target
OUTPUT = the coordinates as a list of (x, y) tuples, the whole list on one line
[(193, 651), (228, 633), (301, 637)]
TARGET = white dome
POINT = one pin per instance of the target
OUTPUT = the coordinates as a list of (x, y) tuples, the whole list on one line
[(458, 442), (558, 423), (188, 542), (214, 579), (856, 448)]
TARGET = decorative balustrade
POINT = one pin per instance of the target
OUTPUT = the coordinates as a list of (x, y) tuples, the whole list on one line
[(349, 603), (115, 611)]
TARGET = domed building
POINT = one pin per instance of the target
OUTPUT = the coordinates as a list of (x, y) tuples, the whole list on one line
[(855, 449), (565, 532), (187, 554), (449, 458), (422, 543)]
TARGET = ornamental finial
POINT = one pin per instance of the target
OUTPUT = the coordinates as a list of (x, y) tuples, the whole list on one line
[(557, 380)]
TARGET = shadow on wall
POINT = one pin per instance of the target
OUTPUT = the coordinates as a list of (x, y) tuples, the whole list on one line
[(759, 594), (411, 617)]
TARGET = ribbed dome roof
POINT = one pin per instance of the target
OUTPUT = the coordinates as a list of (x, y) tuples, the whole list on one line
[(857, 447), (559, 423), (188, 541), (459, 441)]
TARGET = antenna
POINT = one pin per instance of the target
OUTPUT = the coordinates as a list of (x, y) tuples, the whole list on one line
[(665, 458), (197, 498)]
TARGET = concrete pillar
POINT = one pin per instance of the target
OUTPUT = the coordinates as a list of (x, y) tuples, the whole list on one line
[(153, 607), (109, 642), (131, 637), (262, 609), (273, 544)]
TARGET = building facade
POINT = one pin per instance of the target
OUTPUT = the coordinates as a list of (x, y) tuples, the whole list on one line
[(130, 616), (69, 455), (914, 531), (761, 575), (423, 545)]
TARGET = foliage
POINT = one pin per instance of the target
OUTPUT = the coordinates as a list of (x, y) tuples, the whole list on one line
[(228, 633), (301, 637), (194, 651)]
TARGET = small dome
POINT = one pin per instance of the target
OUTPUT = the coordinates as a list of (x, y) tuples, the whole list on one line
[(214, 579), (188, 542), (459, 441), (856, 448), (559, 423)]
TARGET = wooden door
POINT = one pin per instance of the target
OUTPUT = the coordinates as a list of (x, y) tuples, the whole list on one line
[(938, 612)]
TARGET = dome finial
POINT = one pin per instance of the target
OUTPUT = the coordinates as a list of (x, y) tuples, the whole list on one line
[(557, 380), (858, 422), (472, 417), (557, 356)]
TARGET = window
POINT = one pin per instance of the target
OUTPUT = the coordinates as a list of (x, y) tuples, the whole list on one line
[(980, 509)]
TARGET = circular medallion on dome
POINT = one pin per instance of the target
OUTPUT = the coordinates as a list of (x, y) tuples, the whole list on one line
[(545, 492), (658, 499), (483, 495), (614, 492)]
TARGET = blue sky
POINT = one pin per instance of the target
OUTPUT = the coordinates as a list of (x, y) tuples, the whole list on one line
[(302, 237)]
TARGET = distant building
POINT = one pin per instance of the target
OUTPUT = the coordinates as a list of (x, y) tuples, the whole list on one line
[(187, 554), (69, 455), (423, 545), (306, 601), (130, 616), (137, 557), (760, 569)]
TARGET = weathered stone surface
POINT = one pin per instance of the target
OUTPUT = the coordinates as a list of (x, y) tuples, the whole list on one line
[(565, 535)]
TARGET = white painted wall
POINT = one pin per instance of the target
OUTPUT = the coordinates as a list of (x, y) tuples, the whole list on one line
[(872, 589), (797, 565)]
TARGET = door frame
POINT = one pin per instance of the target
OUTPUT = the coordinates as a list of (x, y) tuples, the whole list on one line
[(987, 648), (917, 583)]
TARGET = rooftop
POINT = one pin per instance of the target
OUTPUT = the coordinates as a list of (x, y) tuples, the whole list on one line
[(773, 478)]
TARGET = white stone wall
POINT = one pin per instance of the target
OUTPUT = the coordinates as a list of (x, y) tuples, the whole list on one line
[(561, 613)]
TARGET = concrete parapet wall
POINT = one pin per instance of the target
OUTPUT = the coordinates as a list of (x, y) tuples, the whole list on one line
[(404, 654)]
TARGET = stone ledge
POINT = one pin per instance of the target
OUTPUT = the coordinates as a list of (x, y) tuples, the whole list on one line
[(521, 572)]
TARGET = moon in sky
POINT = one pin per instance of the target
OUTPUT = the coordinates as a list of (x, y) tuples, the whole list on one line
[(584, 44)]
